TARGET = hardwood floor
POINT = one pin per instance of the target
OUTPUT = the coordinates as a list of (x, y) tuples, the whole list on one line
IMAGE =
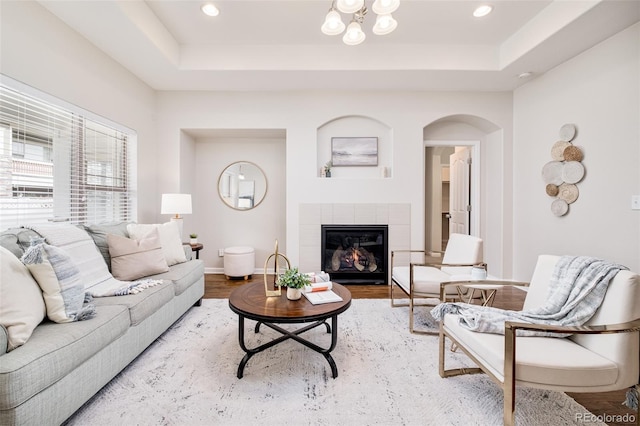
[(601, 404)]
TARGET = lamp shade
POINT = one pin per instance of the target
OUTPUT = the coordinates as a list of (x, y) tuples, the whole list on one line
[(176, 204)]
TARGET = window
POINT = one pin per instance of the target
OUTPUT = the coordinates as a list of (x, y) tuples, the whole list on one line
[(61, 163)]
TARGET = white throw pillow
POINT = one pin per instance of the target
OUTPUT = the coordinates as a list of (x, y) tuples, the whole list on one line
[(133, 259), (21, 303), (60, 281), (169, 238)]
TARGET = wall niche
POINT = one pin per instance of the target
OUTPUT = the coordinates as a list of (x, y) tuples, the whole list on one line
[(355, 126)]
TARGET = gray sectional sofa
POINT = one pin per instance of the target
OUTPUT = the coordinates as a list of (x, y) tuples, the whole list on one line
[(62, 366)]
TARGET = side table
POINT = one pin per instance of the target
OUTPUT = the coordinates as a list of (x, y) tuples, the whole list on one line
[(197, 247)]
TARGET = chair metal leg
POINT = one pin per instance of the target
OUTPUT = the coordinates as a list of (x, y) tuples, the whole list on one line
[(509, 385)]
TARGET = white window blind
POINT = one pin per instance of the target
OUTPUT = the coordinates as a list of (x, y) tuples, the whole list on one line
[(60, 163)]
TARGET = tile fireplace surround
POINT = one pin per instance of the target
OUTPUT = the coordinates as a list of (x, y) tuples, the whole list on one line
[(312, 216)]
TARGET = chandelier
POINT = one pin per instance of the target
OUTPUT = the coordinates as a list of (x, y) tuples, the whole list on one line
[(354, 35)]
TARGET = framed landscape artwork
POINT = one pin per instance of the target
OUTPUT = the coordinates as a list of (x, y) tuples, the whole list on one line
[(354, 151)]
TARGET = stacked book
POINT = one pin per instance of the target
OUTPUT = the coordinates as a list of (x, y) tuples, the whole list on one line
[(320, 292)]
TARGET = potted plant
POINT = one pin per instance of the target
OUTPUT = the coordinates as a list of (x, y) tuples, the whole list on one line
[(294, 280), (193, 238), (327, 169)]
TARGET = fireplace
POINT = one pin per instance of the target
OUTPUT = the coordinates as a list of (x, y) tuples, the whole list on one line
[(355, 254)]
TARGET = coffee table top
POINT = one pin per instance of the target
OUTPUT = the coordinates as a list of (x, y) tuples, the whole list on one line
[(250, 301)]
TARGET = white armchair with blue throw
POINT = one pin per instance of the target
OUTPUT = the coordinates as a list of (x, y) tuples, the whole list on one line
[(578, 331)]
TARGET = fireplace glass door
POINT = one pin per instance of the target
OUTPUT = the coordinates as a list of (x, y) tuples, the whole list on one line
[(355, 254)]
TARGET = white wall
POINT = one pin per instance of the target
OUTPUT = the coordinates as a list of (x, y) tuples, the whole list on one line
[(37, 49), (219, 226), (598, 91), (301, 114)]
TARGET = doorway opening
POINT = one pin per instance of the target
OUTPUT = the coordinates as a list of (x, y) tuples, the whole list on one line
[(452, 181)]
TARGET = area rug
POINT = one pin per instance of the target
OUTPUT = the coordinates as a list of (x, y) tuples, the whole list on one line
[(386, 376)]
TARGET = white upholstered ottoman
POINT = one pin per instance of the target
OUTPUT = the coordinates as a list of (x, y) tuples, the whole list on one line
[(239, 262)]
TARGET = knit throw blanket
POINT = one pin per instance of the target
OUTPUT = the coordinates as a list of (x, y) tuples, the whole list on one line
[(576, 290), (85, 255)]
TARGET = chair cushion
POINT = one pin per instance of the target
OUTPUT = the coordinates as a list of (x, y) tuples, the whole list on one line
[(541, 361), (463, 249), (426, 280)]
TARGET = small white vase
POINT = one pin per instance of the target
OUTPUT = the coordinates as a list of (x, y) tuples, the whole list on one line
[(294, 293), (193, 241)]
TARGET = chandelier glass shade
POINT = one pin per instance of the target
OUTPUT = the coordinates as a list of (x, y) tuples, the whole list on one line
[(354, 34), (385, 24), (383, 7), (350, 6), (333, 24)]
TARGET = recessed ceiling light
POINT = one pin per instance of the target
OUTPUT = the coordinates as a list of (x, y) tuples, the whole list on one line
[(525, 74), (483, 10), (210, 9)]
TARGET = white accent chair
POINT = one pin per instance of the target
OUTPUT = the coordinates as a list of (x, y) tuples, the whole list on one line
[(601, 356), (422, 280)]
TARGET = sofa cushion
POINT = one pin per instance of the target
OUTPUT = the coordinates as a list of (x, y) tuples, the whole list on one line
[(169, 237), (183, 275), (54, 350), (547, 360), (141, 305), (60, 280), (99, 234), (17, 240), (133, 259), (21, 303)]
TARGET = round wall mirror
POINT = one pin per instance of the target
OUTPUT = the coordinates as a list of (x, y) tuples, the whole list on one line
[(242, 185)]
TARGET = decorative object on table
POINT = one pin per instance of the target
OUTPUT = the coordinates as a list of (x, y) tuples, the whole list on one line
[(295, 281), (478, 272), (564, 171), (272, 289), (176, 204), (354, 151), (327, 169), (193, 238)]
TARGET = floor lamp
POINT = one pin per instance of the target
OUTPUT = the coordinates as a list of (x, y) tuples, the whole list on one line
[(176, 204)]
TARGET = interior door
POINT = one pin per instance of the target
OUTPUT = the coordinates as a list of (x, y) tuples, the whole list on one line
[(460, 191)]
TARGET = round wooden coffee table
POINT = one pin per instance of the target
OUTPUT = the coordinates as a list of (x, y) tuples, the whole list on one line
[(249, 301)]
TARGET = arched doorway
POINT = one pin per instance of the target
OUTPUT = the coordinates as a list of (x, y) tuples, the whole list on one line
[(486, 196)]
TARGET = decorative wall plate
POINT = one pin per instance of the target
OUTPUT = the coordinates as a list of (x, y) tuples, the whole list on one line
[(568, 192), (557, 150), (567, 132), (559, 207), (572, 171), (572, 153), (552, 172)]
